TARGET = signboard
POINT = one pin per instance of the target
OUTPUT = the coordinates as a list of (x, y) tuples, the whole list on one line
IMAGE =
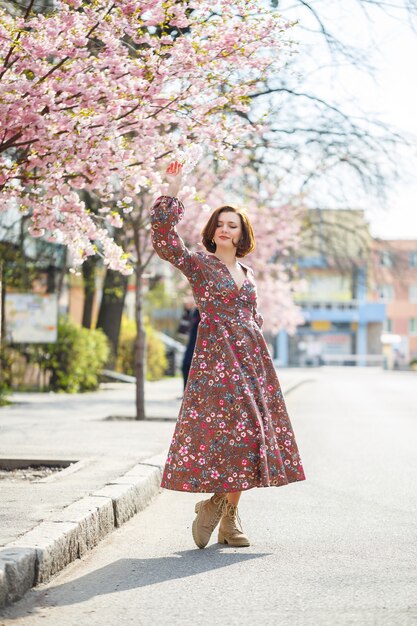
[(31, 318), (336, 344)]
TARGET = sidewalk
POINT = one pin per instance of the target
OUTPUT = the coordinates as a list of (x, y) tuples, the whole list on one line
[(115, 471)]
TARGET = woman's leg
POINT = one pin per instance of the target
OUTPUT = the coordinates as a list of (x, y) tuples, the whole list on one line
[(234, 497)]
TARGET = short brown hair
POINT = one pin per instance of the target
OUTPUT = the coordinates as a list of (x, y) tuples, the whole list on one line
[(247, 241)]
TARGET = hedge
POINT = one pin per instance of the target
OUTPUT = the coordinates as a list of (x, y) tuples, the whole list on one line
[(156, 360), (77, 358)]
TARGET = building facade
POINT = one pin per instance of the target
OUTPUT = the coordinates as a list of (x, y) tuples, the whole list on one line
[(343, 318), (395, 285)]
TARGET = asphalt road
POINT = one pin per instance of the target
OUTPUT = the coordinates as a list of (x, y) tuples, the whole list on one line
[(337, 549)]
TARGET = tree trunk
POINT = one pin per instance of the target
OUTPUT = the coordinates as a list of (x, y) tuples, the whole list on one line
[(3, 360), (111, 309), (1, 303), (2, 334), (140, 348), (89, 279)]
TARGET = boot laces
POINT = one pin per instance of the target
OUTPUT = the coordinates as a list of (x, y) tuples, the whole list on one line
[(218, 499), (231, 511)]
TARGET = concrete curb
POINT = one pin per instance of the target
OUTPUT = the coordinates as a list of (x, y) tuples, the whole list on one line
[(49, 547)]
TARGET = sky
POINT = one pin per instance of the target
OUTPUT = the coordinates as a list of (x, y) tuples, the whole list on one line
[(390, 92), (398, 97)]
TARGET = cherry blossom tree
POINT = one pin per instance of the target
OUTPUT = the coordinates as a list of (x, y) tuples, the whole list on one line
[(94, 94)]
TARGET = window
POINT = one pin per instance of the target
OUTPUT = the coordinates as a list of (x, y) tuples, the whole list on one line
[(386, 293), (413, 259), (340, 325), (412, 292), (386, 259), (413, 326)]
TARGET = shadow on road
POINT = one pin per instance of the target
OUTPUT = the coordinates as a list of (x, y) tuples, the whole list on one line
[(126, 574)]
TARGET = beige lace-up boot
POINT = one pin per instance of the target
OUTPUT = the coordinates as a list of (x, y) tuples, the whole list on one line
[(230, 530), (209, 513)]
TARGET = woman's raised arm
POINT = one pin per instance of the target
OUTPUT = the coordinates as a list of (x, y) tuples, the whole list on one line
[(166, 212), (174, 176)]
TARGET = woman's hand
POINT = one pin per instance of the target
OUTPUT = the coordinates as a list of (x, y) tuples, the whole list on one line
[(174, 177)]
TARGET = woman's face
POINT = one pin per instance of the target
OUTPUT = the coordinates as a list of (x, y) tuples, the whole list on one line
[(228, 231)]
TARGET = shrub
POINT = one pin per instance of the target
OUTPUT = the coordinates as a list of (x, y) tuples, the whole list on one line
[(3, 394), (124, 361), (156, 361), (5, 374), (77, 358)]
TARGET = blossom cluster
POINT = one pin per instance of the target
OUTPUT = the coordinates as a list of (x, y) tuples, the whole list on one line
[(94, 94)]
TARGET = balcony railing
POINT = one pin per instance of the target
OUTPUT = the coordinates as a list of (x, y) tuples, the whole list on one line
[(343, 311), (331, 305)]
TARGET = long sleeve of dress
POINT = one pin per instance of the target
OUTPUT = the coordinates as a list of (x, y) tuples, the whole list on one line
[(259, 319), (166, 212), (256, 315)]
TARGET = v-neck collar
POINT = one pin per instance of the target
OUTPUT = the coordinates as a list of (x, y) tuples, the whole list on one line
[(244, 267)]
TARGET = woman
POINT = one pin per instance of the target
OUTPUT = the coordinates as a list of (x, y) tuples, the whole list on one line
[(233, 432)]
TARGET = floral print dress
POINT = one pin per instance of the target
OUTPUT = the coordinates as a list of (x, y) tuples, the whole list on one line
[(233, 431)]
